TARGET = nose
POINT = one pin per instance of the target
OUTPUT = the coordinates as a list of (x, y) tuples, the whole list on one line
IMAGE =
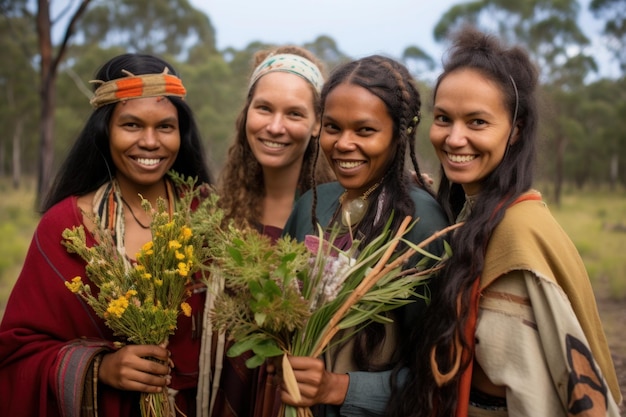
[(149, 139), (456, 136), (275, 126), (344, 142)]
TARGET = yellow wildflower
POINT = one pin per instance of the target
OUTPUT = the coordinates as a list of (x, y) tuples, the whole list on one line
[(158, 282), (186, 309), (146, 276), (185, 233), (183, 269), (189, 251), (75, 285), (178, 255), (130, 293), (147, 248), (174, 244), (117, 307)]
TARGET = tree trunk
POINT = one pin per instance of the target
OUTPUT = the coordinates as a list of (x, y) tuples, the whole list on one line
[(614, 171), (558, 175), (17, 154), (47, 94), (49, 67)]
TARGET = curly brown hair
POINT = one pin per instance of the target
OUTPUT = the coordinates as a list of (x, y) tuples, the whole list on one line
[(241, 185)]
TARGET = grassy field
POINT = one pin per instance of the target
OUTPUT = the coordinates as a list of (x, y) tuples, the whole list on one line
[(595, 220)]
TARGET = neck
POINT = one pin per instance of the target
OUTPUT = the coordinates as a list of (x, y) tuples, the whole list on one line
[(130, 192), (280, 191), (281, 182)]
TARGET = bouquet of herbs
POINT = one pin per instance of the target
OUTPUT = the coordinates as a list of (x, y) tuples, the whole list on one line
[(141, 301), (293, 298)]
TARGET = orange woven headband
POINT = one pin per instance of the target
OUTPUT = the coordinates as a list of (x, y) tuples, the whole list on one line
[(137, 86)]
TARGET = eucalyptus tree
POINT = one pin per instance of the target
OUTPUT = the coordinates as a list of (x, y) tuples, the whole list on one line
[(18, 93), (150, 26), (550, 32), (49, 58), (613, 12), (165, 27), (326, 49)]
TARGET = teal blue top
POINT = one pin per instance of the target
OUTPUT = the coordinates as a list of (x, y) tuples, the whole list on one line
[(368, 392)]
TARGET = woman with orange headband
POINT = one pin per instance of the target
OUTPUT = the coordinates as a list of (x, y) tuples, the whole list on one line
[(57, 357)]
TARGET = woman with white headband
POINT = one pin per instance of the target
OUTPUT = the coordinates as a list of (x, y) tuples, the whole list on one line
[(268, 167), (57, 356)]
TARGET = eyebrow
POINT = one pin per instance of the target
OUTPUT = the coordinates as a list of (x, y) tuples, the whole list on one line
[(131, 116)]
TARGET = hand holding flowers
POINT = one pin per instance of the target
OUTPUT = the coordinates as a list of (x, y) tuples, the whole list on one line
[(286, 300), (141, 300)]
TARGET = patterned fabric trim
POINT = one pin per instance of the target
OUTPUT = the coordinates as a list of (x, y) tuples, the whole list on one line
[(75, 378)]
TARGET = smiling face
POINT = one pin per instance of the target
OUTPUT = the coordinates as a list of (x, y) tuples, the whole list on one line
[(471, 127), (144, 140), (281, 120), (357, 137)]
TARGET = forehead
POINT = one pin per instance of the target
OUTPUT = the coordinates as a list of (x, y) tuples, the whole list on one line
[(354, 100), (469, 87), (283, 85), (156, 106)]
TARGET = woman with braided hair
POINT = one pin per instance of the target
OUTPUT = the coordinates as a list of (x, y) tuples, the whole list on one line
[(512, 329), (371, 109)]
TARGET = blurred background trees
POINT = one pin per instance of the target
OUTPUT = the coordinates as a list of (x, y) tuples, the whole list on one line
[(45, 89)]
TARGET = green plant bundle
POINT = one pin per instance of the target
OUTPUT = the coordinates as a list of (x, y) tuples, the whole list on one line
[(141, 301), (293, 297)]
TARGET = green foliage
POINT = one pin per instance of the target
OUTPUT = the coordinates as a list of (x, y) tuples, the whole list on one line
[(614, 13), (293, 297)]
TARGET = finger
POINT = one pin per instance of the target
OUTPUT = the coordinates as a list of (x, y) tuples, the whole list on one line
[(151, 351)]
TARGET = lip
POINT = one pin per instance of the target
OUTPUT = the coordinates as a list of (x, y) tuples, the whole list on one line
[(460, 158), (147, 162), (273, 145), (348, 165)]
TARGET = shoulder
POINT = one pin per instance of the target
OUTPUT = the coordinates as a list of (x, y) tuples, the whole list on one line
[(64, 212), (300, 221), (530, 238), (529, 220), (423, 199), (427, 208), (325, 190), (62, 215)]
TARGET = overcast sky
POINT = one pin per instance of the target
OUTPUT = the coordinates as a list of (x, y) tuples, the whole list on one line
[(359, 27)]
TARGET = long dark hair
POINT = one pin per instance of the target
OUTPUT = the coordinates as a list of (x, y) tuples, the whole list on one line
[(391, 82), (88, 164), (511, 69)]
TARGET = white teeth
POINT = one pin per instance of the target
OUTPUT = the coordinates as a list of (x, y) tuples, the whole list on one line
[(461, 158), (273, 144), (145, 161), (347, 164)]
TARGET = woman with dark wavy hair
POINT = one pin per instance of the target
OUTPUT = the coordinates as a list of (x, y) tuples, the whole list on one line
[(57, 356), (512, 329)]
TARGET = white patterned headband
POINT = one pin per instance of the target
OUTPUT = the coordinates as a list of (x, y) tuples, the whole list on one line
[(294, 64)]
